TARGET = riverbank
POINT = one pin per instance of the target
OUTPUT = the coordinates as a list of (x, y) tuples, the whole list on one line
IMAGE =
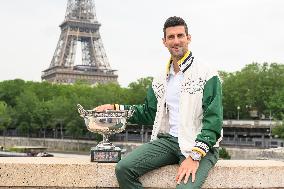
[(82, 147)]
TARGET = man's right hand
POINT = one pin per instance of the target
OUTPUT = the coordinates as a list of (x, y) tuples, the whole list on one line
[(104, 107)]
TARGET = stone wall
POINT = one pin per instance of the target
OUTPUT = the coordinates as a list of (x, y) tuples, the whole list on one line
[(58, 144), (36, 172), (51, 144), (252, 154)]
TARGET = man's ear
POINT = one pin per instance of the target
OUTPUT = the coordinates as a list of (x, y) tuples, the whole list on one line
[(164, 41), (189, 37)]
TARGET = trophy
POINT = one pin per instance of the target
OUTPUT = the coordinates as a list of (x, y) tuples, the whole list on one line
[(106, 123)]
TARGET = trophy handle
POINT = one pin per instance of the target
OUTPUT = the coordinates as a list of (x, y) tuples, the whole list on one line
[(82, 111)]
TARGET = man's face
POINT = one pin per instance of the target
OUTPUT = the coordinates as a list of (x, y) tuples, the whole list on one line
[(176, 41)]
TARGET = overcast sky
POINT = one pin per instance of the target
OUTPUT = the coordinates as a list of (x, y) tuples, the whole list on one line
[(225, 33)]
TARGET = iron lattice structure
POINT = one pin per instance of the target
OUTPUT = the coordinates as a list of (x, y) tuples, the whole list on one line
[(80, 26)]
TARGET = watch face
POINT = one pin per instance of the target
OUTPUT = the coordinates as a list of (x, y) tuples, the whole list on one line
[(195, 156)]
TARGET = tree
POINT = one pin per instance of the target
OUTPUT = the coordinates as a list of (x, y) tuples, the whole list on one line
[(138, 90), (73, 128), (10, 89), (42, 116), (26, 104), (279, 130), (5, 118), (256, 87)]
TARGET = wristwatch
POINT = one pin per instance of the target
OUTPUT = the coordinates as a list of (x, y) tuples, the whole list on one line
[(195, 155)]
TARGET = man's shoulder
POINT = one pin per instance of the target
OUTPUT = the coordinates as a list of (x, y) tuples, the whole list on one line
[(205, 69)]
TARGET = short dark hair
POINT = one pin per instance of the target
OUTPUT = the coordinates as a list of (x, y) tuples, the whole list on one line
[(174, 21)]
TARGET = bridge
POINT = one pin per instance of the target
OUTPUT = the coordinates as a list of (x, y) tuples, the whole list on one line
[(251, 133)]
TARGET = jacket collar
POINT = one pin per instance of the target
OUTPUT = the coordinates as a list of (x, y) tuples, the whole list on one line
[(184, 63)]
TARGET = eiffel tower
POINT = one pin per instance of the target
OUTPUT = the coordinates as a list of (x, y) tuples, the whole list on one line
[(79, 29)]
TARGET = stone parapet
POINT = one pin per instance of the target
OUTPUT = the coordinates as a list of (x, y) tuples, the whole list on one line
[(54, 172)]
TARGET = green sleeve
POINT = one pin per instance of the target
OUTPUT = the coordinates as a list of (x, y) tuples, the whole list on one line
[(212, 113), (144, 114)]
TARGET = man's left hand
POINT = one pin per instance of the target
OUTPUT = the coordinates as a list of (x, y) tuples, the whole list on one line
[(187, 167)]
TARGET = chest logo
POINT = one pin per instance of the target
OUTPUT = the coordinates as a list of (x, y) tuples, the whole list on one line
[(193, 86)]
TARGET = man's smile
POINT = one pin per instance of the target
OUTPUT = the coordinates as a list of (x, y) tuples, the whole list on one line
[(176, 48)]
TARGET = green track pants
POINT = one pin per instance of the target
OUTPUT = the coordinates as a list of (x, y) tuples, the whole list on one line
[(163, 151)]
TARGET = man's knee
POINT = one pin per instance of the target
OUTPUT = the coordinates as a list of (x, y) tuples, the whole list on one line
[(122, 168)]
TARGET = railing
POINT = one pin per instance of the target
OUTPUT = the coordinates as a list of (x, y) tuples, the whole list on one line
[(251, 122)]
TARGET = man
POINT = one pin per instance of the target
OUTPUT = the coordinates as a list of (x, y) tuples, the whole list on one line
[(184, 106)]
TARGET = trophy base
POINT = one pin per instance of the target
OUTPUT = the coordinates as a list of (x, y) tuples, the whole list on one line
[(105, 155)]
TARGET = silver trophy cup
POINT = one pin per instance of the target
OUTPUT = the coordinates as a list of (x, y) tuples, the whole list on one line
[(105, 123)]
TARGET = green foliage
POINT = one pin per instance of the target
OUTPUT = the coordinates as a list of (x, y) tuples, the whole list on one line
[(258, 87), (5, 118), (10, 89), (138, 90), (73, 129), (38, 106), (279, 130), (224, 154)]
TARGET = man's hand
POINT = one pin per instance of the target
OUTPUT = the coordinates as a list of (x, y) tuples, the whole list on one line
[(104, 107), (187, 167)]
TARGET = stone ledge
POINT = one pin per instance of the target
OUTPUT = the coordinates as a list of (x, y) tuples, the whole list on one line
[(37, 172)]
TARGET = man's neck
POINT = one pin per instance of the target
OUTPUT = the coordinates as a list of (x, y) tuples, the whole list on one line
[(175, 64)]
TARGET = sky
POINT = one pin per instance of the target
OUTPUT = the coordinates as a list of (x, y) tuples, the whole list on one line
[(227, 34)]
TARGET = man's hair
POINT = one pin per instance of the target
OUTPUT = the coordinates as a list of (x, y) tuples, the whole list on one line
[(174, 21)]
